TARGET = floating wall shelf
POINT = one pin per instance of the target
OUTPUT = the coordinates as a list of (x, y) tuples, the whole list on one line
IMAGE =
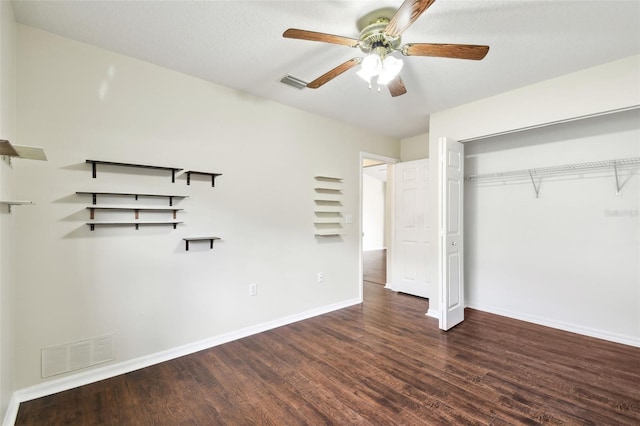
[(95, 223), (189, 239), (95, 195), (328, 233), (328, 206), (142, 166), (135, 209), (193, 172), (10, 203), (7, 148), (19, 151)]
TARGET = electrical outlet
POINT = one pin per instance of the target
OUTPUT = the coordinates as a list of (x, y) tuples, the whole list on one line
[(253, 289), (320, 277)]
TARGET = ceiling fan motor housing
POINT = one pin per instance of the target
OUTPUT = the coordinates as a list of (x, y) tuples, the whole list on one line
[(373, 39)]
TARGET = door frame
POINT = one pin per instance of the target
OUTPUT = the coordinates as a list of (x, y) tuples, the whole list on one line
[(388, 161)]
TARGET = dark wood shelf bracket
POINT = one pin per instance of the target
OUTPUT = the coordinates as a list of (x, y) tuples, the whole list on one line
[(210, 239), (213, 176), (143, 166)]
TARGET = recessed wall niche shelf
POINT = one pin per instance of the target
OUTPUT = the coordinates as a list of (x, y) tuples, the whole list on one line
[(190, 239), (95, 195), (193, 172), (563, 170), (142, 166), (10, 203), (328, 206)]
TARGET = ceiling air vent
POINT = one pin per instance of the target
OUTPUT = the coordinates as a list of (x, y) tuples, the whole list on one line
[(294, 82)]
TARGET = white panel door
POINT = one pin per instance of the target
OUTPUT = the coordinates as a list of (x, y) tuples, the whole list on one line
[(451, 233), (411, 247)]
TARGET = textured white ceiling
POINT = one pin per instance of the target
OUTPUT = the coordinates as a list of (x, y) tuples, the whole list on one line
[(239, 44)]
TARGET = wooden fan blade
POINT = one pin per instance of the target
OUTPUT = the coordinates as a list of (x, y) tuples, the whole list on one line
[(328, 76), (457, 51), (406, 15), (396, 87), (325, 38)]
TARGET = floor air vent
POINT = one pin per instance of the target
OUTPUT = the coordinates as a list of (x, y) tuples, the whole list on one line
[(77, 355)]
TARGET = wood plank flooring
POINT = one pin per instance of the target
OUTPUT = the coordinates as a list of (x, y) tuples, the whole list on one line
[(374, 266), (380, 363)]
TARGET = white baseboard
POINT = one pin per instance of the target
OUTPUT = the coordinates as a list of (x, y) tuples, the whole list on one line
[(12, 411), (560, 325), (433, 313), (116, 369)]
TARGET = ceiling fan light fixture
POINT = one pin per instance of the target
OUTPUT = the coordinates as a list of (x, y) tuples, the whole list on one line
[(390, 69), (371, 67)]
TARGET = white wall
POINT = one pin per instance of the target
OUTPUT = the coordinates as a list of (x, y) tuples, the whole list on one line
[(7, 131), (569, 258), (373, 213), (608, 87), (596, 90), (414, 148), (81, 102)]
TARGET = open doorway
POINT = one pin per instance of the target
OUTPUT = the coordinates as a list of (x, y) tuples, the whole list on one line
[(376, 208)]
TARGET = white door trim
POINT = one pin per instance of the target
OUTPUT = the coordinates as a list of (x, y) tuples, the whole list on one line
[(385, 159), (451, 232)]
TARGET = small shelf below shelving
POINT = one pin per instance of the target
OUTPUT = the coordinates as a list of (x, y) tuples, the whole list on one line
[(190, 239), (328, 198), (328, 233), (328, 195), (328, 179), (95, 223), (95, 195), (193, 172), (329, 209), (328, 221), (142, 166), (10, 203)]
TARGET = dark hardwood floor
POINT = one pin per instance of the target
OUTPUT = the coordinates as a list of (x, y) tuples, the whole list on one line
[(380, 363), (374, 266)]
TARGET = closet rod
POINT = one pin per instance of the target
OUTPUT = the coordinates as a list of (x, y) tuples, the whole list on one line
[(558, 170)]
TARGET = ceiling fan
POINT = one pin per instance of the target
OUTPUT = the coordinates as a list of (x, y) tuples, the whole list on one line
[(380, 33)]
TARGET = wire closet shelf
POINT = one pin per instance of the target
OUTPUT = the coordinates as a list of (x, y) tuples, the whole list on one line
[(567, 169)]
